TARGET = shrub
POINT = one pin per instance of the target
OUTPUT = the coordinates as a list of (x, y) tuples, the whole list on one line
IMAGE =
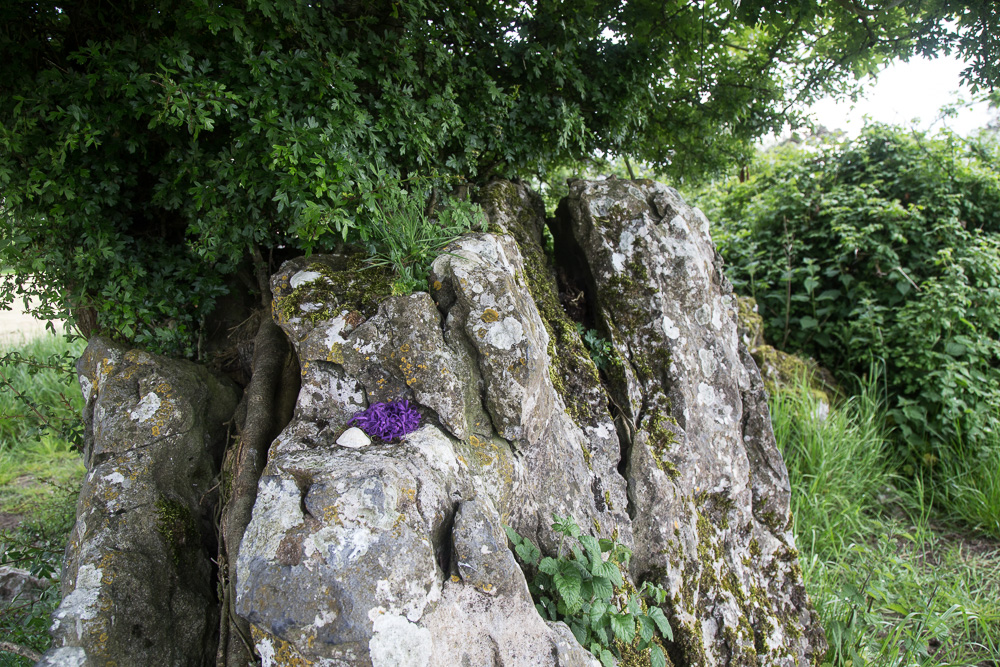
[(888, 249)]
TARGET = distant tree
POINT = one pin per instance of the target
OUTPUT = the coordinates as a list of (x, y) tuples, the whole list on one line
[(150, 148)]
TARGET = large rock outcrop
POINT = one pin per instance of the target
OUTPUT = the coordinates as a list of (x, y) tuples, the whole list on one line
[(364, 552), (393, 553), (138, 585)]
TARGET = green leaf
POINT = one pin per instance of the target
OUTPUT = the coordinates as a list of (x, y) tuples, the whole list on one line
[(646, 628), (567, 581), (593, 548), (549, 565), (633, 606), (528, 552), (661, 621), (565, 526), (656, 657), (580, 632), (623, 625), (598, 610), (602, 588)]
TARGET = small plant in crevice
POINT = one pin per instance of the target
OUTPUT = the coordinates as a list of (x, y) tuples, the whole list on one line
[(401, 234), (600, 349), (585, 589)]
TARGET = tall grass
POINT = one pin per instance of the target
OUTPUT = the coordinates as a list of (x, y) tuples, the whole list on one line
[(837, 465), (891, 589), (968, 482), (40, 426)]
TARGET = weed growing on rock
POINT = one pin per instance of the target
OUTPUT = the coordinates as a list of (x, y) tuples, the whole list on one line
[(404, 236), (600, 349), (585, 589)]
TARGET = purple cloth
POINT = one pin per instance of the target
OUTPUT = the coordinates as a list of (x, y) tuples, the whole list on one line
[(387, 421)]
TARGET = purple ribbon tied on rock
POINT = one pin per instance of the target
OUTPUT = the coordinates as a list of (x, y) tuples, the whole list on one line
[(387, 421)]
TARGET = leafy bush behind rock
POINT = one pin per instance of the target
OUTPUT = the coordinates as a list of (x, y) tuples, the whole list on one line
[(883, 249)]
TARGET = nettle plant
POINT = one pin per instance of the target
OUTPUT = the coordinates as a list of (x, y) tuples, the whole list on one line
[(585, 589), (883, 250)]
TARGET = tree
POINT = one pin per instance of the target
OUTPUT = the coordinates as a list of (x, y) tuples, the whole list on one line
[(150, 147)]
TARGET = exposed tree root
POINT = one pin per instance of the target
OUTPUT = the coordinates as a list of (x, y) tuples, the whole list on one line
[(266, 408)]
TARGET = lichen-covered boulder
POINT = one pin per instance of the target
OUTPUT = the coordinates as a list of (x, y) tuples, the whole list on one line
[(393, 553), (708, 491), (364, 552), (138, 586)]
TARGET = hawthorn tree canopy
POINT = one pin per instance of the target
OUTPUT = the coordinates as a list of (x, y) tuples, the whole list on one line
[(149, 148)]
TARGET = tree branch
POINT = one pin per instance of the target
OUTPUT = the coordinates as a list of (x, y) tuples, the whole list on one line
[(23, 651)]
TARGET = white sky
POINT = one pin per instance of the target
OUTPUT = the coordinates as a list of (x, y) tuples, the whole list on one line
[(905, 91)]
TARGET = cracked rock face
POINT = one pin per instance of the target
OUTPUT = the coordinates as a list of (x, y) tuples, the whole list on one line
[(137, 584), (708, 490), (394, 553)]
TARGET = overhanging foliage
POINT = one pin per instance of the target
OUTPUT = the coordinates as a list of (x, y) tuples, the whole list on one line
[(147, 146)]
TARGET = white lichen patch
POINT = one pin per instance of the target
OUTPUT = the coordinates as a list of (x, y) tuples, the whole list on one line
[(303, 277), (66, 656), (625, 242), (335, 330), (86, 386), (81, 604), (115, 478), (505, 334), (708, 362), (670, 330), (436, 448), (397, 641), (276, 511), (265, 649), (324, 618), (146, 409)]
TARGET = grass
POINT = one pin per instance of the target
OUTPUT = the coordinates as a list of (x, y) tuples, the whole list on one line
[(40, 476), (402, 235), (893, 586), (969, 484)]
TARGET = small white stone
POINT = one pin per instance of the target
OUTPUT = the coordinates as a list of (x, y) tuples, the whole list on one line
[(354, 438)]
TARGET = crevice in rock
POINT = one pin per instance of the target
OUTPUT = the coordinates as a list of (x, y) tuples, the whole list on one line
[(304, 483), (576, 279), (444, 551), (269, 405)]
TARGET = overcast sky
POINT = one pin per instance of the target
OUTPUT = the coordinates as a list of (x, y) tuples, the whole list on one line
[(905, 91)]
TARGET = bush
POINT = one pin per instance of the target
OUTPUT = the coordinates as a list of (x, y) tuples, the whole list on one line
[(883, 249)]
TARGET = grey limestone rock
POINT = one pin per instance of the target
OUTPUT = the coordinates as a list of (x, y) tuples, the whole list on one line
[(137, 582), (394, 553), (19, 586), (708, 491)]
